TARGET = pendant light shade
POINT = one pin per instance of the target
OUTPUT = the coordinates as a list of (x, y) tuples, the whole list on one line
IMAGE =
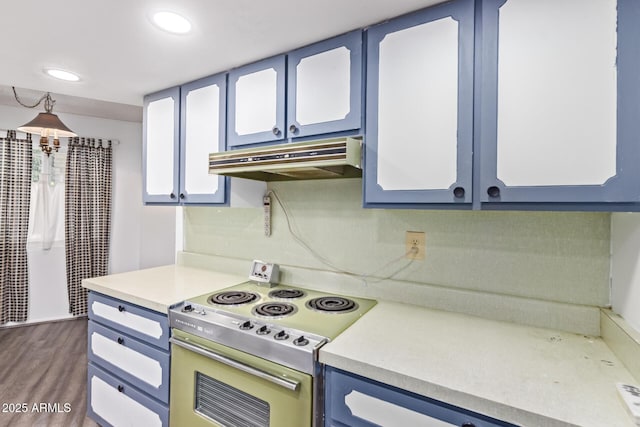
[(47, 124)]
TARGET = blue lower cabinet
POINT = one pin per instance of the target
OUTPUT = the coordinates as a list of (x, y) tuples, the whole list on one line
[(135, 362), (129, 364), (145, 325), (355, 401), (113, 402)]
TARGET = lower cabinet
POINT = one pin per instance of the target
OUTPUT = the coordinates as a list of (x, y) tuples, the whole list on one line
[(352, 400), (113, 402), (129, 364)]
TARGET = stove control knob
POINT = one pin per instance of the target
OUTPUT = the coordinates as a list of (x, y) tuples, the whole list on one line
[(302, 341), (246, 325), (187, 308), (282, 335), (263, 330)]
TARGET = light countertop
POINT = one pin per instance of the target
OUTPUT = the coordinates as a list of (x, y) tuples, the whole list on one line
[(528, 376), (161, 287), (525, 375)]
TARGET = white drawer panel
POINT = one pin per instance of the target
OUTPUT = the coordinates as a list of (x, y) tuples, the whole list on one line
[(139, 322), (130, 320), (118, 409), (137, 364), (114, 403)]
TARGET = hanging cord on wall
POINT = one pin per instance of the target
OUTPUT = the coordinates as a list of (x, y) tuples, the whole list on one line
[(365, 277)]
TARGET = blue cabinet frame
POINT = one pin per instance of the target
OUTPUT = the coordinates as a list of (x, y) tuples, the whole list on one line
[(278, 132), (338, 384), (221, 196), (171, 198), (93, 371), (353, 120), (161, 392), (620, 191), (461, 192)]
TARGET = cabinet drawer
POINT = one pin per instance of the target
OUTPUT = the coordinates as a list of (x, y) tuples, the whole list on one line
[(111, 402), (144, 366), (360, 402), (144, 324)]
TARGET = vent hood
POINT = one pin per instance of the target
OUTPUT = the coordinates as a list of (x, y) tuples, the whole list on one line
[(331, 158)]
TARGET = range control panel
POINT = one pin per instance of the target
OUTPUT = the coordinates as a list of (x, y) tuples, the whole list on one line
[(264, 273)]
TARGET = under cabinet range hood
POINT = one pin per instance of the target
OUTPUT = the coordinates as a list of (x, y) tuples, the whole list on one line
[(330, 158)]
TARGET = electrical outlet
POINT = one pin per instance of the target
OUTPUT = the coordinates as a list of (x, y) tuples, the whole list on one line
[(415, 244)]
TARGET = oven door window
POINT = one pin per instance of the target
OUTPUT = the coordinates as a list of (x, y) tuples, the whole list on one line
[(213, 385)]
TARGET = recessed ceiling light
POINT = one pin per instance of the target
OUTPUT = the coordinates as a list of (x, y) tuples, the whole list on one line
[(171, 22), (62, 75)]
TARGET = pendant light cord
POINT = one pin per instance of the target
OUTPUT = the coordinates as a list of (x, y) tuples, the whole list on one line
[(48, 102)]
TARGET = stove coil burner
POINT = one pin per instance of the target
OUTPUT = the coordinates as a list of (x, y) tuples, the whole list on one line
[(274, 310), (286, 293), (232, 298), (332, 304)]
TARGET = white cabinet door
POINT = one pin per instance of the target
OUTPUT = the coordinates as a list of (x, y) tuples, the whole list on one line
[(203, 118), (160, 146), (420, 107), (324, 83), (256, 102), (556, 90)]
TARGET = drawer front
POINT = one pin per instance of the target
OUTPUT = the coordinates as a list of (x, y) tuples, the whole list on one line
[(111, 402), (144, 366), (356, 401), (144, 324)]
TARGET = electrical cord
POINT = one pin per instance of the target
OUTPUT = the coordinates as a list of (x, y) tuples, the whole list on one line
[(362, 276), (15, 94)]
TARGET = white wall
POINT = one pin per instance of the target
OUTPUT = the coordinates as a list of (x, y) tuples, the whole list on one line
[(140, 236), (625, 266)]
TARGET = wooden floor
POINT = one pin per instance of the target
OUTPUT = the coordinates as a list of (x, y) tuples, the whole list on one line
[(43, 374)]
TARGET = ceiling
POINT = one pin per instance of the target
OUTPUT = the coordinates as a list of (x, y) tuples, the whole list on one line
[(120, 55)]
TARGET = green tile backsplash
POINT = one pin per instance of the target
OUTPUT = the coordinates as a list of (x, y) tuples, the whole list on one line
[(550, 256)]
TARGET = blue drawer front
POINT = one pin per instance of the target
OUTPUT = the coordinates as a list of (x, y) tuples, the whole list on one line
[(338, 384), (161, 391), (126, 389), (121, 314)]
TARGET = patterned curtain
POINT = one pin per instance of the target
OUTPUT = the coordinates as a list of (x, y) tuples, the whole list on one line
[(15, 194), (87, 215)]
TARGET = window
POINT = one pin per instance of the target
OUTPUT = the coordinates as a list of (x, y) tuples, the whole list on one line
[(46, 212)]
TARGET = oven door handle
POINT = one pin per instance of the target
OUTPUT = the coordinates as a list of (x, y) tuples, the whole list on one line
[(288, 384)]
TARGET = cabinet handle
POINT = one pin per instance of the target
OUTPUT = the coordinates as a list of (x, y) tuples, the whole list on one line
[(293, 129), (493, 191), (173, 196), (181, 196), (120, 340), (276, 131), (121, 388), (458, 192), (121, 308)]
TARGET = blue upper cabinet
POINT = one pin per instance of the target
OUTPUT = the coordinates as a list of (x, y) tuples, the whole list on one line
[(257, 103), (558, 113), (160, 146), (324, 87), (203, 114), (419, 108), (181, 127)]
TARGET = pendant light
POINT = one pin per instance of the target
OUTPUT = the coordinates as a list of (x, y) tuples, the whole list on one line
[(46, 124)]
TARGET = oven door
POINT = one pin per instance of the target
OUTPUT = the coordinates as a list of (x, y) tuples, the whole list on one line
[(214, 385)]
